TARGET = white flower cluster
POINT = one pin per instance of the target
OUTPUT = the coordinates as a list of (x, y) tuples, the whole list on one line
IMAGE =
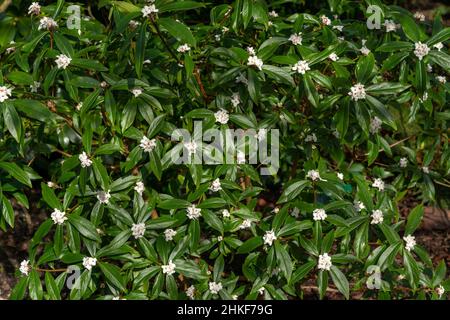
[(222, 116), (169, 234), (426, 170), (89, 262), (296, 38), (103, 196), (333, 56), (193, 212), (357, 92), (338, 28), (147, 145), (301, 67), (148, 10), (273, 14), (358, 206), (325, 20), (403, 162), (319, 214), (269, 237), (314, 175), (247, 223), (47, 24), (440, 291), (379, 184), (340, 176), (58, 216), (139, 187), (62, 61), (34, 9), (364, 50), (375, 125), (138, 230), (5, 93), (226, 213), (377, 217), (169, 269), (183, 48), (136, 92), (438, 46), (255, 61), (84, 159), (410, 242), (421, 50), (24, 267), (324, 262), (235, 99), (390, 25), (215, 287), (190, 292), (441, 79), (419, 16), (215, 185), (311, 137)]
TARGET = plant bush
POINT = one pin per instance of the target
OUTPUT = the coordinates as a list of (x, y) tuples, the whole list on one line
[(87, 118)]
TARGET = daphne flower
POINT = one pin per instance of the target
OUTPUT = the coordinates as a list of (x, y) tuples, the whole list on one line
[(311, 138), (319, 214), (410, 242), (219, 238), (358, 206), (47, 24), (147, 145), (190, 292), (379, 184), (58, 216), (324, 262), (193, 212), (235, 99), (183, 48), (226, 213), (136, 92), (377, 217), (419, 16), (339, 28), (35, 86), (89, 262), (138, 230), (139, 187), (426, 170), (301, 67), (251, 51), (62, 61), (169, 234), (241, 78), (255, 61), (421, 50), (438, 46), (148, 10), (333, 57), (34, 9), (25, 267), (325, 20), (429, 68), (296, 38), (215, 287), (364, 50), (84, 159), (273, 14), (375, 125), (5, 93), (441, 79), (222, 116), (357, 92), (269, 237), (340, 176), (103, 196), (390, 25), (261, 290), (295, 212), (79, 106), (247, 223), (314, 175), (215, 185), (440, 291), (169, 269)]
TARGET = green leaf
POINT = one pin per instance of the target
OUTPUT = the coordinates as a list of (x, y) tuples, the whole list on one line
[(140, 49), (180, 6), (178, 30), (364, 68), (112, 274), (284, 260), (16, 172), (48, 194), (84, 226), (292, 190), (322, 283), (414, 219), (250, 245), (52, 288), (340, 281), (12, 121)]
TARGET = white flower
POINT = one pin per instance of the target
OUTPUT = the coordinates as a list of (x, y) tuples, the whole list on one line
[(148, 10), (147, 61), (190, 292), (296, 38), (324, 262), (136, 92), (410, 242), (340, 176), (225, 29), (358, 206), (133, 24), (222, 116), (419, 16), (319, 214), (273, 14), (342, 39), (339, 28), (261, 290), (84, 159), (58, 216), (276, 210), (301, 67), (295, 212), (390, 25), (34, 8), (62, 61), (103, 196), (357, 92), (10, 49), (183, 48), (364, 50), (191, 147), (51, 184), (139, 187), (421, 50), (269, 237), (193, 212), (241, 78), (226, 213), (311, 138), (333, 57), (215, 287), (426, 170), (441, 79), (375, 125), (429, 68), (314, 175), (89, 262), (147, 145), (35, 86), (245, 224), (5, 93), (24, 267), (169, 269), (424, 97), (403, 162), (235, 100), (79, 106), (251, 51), (47, 24), (240, 157), (379, 184), (215, 185), (219, 238), (438, 46), (138, 230), (325, 20), (169, 234), (255, 61), (440, 291), (377, 217)]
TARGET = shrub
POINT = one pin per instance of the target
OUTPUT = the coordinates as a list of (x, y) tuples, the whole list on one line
[(88, 116)]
